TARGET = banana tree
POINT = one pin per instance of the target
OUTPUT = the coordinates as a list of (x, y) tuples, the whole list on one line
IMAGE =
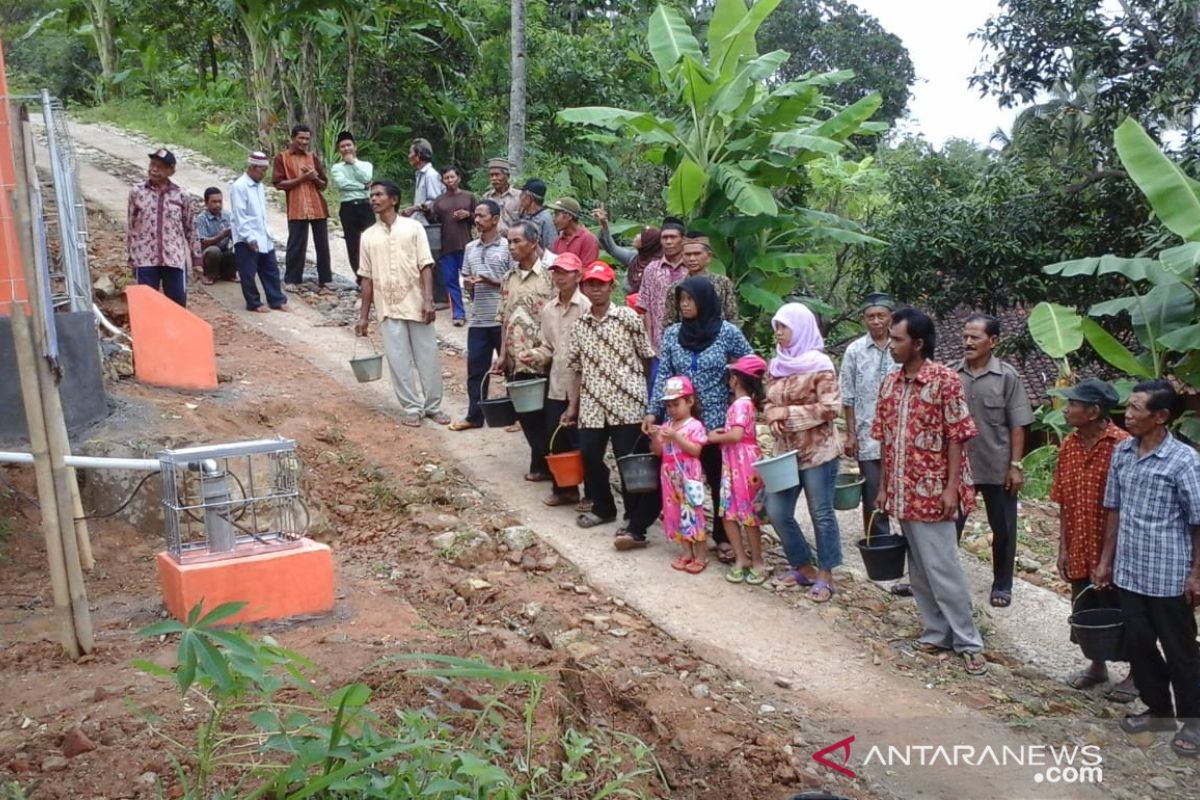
[(1161, 297), (737, 145)]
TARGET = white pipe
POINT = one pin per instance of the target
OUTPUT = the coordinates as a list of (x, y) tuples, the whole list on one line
[(88, 462), (108, 326)]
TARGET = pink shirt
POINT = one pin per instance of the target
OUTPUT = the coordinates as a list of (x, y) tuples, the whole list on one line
[(160, 227)]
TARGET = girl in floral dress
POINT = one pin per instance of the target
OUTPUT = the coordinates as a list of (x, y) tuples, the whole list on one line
[(743, 496), (679, 441)]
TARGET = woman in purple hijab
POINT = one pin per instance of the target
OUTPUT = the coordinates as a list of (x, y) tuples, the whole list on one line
[(803, 400)]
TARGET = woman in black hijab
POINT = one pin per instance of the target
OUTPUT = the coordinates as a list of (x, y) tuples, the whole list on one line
[(699, 348)]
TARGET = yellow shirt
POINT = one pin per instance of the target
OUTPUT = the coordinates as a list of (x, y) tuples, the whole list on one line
[(557, 318), (393, 257)]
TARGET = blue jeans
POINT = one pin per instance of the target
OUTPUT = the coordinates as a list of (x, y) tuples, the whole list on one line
[(265, 267), (171, 280), (450, 265), (818, 484)]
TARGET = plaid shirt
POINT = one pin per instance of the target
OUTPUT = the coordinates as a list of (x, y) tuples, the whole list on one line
[(1158, 495)]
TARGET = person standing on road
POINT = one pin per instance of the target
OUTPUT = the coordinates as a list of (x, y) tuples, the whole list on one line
[(573, 237), (1080, 479), (659, 277), (253, 249), (453, 211), (697, 255), (160, 230), (525, 290), (1152, 555), (533, 198), (557, 316), (427, 181), (352, 176), (1000, 407), (485, 263), (216, 239), (608, 351), (699, 348), (503, 193), (397, 271), (866, 363), (300, 174), (923, 424), (803, 400)]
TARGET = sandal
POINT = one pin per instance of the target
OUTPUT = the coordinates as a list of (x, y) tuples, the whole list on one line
[(207, 281), (591, 520), (1001, 598), (974, 662), (458, 323), (560, 500), (736, 575), (412, 421), (1119, 694), (440, 417), (929, 648), (536, 477), (681, 563), (1146, 722), (756, 577), (821, 592), (695, 567), (463, 425), (585, 505), (516, 426), (792, 579), (901, 590), (627, 541), (1186, 743), (1084, 679)]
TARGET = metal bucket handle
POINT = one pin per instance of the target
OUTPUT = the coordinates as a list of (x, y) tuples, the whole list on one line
[(1089, 587), (550, 447), (483, 389), (354, 352)]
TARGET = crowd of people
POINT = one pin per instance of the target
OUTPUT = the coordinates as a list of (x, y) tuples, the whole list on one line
[(670, 373)]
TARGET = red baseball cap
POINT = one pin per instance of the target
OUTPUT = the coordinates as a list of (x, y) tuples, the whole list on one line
[(679, 386), (567, 262), (599, 271)]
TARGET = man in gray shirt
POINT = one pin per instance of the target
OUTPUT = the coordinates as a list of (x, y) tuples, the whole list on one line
[(1000, 407), (533, 202)]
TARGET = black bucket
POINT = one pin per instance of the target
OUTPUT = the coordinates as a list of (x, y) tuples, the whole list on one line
[(639, 473), (1100, 632), (498, 413), (883, 556)]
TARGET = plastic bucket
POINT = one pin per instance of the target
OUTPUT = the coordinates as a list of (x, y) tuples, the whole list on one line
[(498, 413), (779, 473), (368, 368), (1100, 632), (528, 396), (639, 472), (883, 556), (847, 492), (567, 468)]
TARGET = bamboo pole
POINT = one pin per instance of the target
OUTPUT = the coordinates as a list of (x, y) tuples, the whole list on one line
[(54, 423), (83, 536)]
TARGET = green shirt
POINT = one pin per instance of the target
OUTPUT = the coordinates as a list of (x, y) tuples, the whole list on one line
[(352, 179)]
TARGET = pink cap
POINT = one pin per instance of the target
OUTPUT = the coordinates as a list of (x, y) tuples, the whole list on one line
[(751, 365), (567, 262), (679, 386), (598, 271)]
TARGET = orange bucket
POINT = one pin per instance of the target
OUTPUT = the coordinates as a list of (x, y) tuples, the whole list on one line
[(567, 468)]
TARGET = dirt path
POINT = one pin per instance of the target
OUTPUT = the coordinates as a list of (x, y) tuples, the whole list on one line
[(846, 676)]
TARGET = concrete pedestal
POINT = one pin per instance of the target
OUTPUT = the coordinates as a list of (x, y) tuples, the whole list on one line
[(274, 585)]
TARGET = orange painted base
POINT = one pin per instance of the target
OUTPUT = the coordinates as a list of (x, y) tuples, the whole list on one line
[(274, 585), (171, 345)]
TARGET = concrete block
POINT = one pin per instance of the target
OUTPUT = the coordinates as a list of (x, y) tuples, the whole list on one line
[(171, 345)]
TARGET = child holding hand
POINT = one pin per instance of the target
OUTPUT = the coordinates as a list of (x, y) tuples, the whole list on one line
[(743, 496), (678, 441)]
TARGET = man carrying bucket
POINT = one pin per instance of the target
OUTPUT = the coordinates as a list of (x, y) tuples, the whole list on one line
[(557, 317), (1079, 482), (525, 289), (1152, 555), (923, 423), (608, 351)]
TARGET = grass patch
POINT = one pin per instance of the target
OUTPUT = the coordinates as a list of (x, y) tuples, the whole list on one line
[(170, 125)]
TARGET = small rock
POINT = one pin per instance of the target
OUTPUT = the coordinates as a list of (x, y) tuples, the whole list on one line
[(528, 561), (581, 589), (565, 639), (518, 537), (620, 633), (1028, 672), (104, 287), (338, 638), (100, 694), (1028, 564), (344, 510), (581, 650), (472, 549), (597, 620), (766, 709), (472, 588), (707, 672), (1162, 783), (444, 541), (783, 683), (76, 742), (53, 764), (148, 778), (530, 611), (548, 563), (999, 670), (432, 519), (628, 621), (20, 766), (701, 691)]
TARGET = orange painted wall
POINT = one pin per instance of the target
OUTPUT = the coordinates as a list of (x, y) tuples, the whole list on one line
[(12, 282), (171, 345)]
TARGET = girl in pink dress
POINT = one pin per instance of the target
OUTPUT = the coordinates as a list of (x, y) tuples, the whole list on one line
[(743, 497), (679, 441)]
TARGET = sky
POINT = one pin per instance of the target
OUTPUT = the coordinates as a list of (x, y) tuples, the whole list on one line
[(942, 105)]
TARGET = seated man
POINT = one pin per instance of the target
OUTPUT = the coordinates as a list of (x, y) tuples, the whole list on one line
[(215, 230)]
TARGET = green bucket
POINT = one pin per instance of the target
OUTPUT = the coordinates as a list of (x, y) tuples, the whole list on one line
[(847, 491), (528, 396)]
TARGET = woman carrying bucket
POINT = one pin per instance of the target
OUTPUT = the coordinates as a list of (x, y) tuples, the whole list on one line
[(699, 348), (803, 400)]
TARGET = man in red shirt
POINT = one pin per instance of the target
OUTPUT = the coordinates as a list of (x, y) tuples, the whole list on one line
[(573, 237), (1079, 483), (923, 422), (300, 174)]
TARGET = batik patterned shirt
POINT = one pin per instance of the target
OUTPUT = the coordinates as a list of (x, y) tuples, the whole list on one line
[(659, 277), (522, 296), (916, 420), (160, 228), (608, 353)]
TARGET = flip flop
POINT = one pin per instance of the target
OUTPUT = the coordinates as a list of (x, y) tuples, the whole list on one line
[(559, 500), (821, 592), (681, 563), (591, 520), (974, 662), (792, 579), (1186, 743), (1145, 722), (736, 575), (463, 425), (901, 590), (412, 421), (1119, 695), (1001, 598), (756, 577), (929, 648), (585, 505), (513, 428), (1083, 679), (536, 477), (628, 541), (695, 567), (441, 418)]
